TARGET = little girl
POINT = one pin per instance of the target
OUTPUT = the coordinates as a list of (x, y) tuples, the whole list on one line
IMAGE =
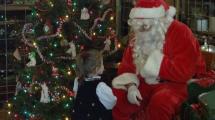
[(94, 99)]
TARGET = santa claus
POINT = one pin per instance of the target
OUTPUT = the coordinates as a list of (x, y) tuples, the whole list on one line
[(154, 71)]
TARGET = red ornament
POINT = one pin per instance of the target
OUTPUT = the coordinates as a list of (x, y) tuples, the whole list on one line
[(71, 93), (55, 71), (69, 2)]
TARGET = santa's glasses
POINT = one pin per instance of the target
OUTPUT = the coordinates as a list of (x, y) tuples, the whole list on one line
[(141, 24)]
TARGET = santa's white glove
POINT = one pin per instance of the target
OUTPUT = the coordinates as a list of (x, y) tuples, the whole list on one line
[(134, 96)]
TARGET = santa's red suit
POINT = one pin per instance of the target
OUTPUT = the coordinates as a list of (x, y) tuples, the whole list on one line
[(179, 62)]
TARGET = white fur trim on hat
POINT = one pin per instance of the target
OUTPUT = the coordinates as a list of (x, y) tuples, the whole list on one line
[(171, 11), (155, 12), (151, 69), (120, 81)]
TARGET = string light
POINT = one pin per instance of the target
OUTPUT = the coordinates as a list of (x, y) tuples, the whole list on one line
[(66, 118), (91, 12), (111, 18), (28, 76), (76, 37), (66, 17), (60, 35), (36, 88), (70, 98), (67, 105), (9, 105), (94, 33), (25, 91), (118, 64), (35, 44), (9, 112), (51, 54), (25, 112), (99, 25), (73, 66), (51, 4), (55, 45), (100, 6), (119, 45), (69, 72)]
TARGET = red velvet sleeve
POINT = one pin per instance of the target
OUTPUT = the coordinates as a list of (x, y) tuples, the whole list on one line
[(181, 56), (127, 66)]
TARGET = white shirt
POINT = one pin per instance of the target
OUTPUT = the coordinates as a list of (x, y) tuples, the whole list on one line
[(103, 91)]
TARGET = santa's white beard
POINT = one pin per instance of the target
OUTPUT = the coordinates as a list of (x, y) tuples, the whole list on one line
[(146, 42)]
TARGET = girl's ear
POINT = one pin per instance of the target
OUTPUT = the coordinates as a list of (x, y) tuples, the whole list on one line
[(100, 69)]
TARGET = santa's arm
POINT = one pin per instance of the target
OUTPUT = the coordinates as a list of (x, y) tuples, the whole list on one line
[(126, 71), (180, 66), (126, 65)]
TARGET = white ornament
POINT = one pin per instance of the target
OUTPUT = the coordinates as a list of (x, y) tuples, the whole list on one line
[(32, 61), (18, 85), (55, 71), (85, 14), (72, 49), (16, 54), (44, 94), (107, 43), (46, 28)]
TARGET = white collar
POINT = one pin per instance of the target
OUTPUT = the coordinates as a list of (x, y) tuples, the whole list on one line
[(92, 78)]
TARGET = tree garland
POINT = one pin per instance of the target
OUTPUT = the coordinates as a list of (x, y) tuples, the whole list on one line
[(100, 19), (83, 31), (27, 26)]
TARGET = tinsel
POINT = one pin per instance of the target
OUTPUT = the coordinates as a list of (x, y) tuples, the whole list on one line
[(83, 31)]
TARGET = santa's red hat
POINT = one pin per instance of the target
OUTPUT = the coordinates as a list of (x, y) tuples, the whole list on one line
[(152, 9)]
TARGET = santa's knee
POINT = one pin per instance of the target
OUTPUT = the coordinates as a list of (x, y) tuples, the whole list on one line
[(165, 102), (123, 106), (123, 109)]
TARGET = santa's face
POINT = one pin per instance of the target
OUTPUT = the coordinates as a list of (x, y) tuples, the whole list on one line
[(149, 35), (140, 24)]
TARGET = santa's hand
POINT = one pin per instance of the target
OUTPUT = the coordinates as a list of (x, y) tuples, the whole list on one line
[(134, 96)]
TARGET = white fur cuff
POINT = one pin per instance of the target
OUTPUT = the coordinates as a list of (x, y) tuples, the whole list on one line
[(151, 68), (120, 81)]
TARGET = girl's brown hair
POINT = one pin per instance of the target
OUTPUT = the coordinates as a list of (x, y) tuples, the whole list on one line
[(87, 61)]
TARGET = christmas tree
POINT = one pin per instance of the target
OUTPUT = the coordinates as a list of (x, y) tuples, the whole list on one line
[(56, 32)]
